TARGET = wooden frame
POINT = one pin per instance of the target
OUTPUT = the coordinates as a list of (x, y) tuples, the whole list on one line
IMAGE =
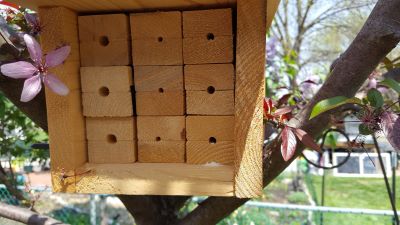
[(70, 170)]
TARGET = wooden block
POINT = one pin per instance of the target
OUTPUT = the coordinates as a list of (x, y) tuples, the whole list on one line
[(156, 24), (157, 52), (64, 71), (112, 104), (104, 40), (112, 152), (203, 128), (103, 129), (167, 103), (203, 152), (114, 78), (201, 50), (202, 22), (202, 77), (161, 128), (152, 78), (161, 151), (157, 38), (156, 179), (210, 103)]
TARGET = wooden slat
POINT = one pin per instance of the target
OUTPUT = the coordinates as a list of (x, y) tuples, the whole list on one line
[(161, 151), (201, 77), (124, 5), (105, 152), (204, 103), (156, 179), (152, 78), (167, 103), (201, 128), (250, 64), (151, 128), (65, 120), (202, 152)]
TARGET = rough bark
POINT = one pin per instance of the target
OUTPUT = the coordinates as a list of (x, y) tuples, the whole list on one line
[(377, 38), (26, 216)]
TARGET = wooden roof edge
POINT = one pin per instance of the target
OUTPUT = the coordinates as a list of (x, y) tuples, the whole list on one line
[(272, 8)]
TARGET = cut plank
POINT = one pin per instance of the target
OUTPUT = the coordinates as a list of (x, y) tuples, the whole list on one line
[(201, 128), (203, 152), (249, 95), (156, 179), (161, 151), (156, 24), (167, 51), (64, 71), (114, 78), (200, 50), (125, 5), (201, 77), (100, 129), (164, 128), (66, 125), (106, 152), (152, 78), (113, 104), (204, 103), (167, 103), (203, 22), (104, 40)]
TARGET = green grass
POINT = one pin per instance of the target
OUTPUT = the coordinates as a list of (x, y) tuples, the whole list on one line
[(355, 193)]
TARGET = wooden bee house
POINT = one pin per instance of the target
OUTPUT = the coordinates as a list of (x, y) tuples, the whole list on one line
[(166, 96)]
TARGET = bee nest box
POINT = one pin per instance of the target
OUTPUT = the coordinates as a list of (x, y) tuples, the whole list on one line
[(166, 96)]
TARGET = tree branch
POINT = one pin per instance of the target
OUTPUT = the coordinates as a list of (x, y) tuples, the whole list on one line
[(26, 216), (377, 38)]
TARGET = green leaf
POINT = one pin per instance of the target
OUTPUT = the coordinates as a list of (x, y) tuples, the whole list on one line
[(331, 103), (364, 129), (390, 83), (375, 98)]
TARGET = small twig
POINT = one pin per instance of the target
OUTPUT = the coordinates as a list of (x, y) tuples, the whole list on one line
[(389, 191)]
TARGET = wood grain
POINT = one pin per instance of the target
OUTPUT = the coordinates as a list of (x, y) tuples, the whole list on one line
[(204, 103), (168, 103), (164, 128), (203, 152), (199, 23), (114, 78), (104, 40), (124, 5), (156, 179), (113, 153), (152, 78), (156, 24), (201, 77), (153, 52), (98, 129), (249, 94), (200, 50), (161, 151), (66, 124), (116, 104), (201, 128)]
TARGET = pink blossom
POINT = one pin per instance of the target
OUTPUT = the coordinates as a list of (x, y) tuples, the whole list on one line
[(33, 22), (37, 72), (390, 124)]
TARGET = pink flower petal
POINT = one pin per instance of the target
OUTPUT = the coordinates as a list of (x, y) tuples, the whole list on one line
[(56, 85), (391, 128), (32, 87), (18, 70), (30, 18), (58, 56), (34, 48)]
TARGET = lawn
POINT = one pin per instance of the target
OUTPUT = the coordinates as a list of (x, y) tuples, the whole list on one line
[(354, 193)]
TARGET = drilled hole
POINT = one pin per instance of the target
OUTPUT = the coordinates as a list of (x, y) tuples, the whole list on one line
[(161, 90), (111, 138), (104, 40), (210, 36), (104, 91), (158, 139), (211, 90), (160, 39), (212, 140)]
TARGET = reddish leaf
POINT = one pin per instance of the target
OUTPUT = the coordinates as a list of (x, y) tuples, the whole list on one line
[(306, 139), (283, 100), (390, 123), (268, 107), (289, 143), (282, 111)]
